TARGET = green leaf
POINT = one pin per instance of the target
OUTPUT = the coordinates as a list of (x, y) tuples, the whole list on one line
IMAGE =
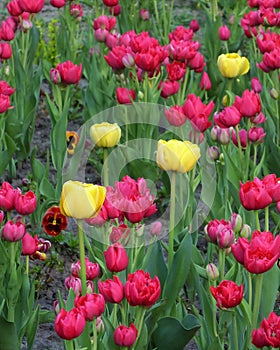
[(179, 272), (155, 264), (7, 154), (173, 334), (271, 283), (9, 342), (32, 327)]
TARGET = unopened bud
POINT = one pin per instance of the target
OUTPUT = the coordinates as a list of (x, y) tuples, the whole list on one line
[(245, 231), (236, 222), (140, 95), (212, 272), (213, 153), (156, 228), (274, 94)]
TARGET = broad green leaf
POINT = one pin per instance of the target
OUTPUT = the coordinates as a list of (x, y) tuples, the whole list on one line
[(174, 334), (9, 342)]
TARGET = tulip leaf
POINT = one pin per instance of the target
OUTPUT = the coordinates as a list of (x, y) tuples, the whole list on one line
[(32, 327), (173, 334), (9, 342), (7, 154), (179, 272), (155, 264), (271, 283)]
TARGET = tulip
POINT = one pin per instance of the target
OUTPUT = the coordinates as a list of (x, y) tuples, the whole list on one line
[(55, 76), (236, 222), (175, 155), (25, 204), (254, 195), (243, 135), (141, 289), (70, 73), (31, 6), (259, 254), (125, 96), (29, 244), (168, 88), (5, 51), (227, 294), (69, 324), (115, 10), (212, 272), (105, 134), (156, 228), (80, 200), (197, 62), (231, 65), (175, 115), (256, 134), (213, 153), (54, 222), (214, 227), (92, 269), (91, 305), (269, 332), (120, 234), (13, 231), (205, 82), (125, 336), (6, 89), (249, 104), (194, 25), (58, 3), (224, 33), (144, 14), (256, 85), (229, 116), (272, 185), (7, 195), (116, 258), (76, 10), (14, 9), (105, 22), (5, 103), (112, 290), (6, 31), (2, 216), (225, 237), (176, 70)]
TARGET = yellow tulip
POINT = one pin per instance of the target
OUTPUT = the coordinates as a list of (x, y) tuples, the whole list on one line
[(105, 134), (80, 200), (175, 155), (231, 65)]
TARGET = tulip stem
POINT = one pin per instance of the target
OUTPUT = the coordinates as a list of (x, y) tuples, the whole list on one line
[(105, 167), (82, 256), (95, 338), (222, 255), (235, 334), (266, 218), (257, 300), (140, 314), (172, 220), (258, 227), (69, 344)]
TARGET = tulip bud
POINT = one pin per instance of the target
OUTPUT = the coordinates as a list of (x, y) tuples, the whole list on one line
[(116, 258), (55, 76), (92, 305), (156, 228), (144, 14), (224, 33), (213, 153), (13, 231), (125, 336), (245, 231), (225, 238), (222, 158), (212, 272), (256, 85), (128, 60), (140, 95), (274, 94), (236, 222)]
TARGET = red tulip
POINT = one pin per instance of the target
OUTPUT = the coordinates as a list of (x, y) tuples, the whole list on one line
[(224, 33), (116, 258), (5, 51), (92, 305), (269, 332), (253, 195), (256, 134), (76, 10), (141, 289), (256, 85), (7, 195), (58, 3), (168, 88), (115, 57), (69, 324), (14, 9), (120, 234), (5, 88), (249, 104), (176, 70), (25, 204), (194, 25), (69, 72), (104, 22), (175, 115), (29, 244), (227, 294), (205, 82), (92, 269), (197, 62), (32, 6), (214, 227), (6, 31), (110, 3), (144, 14), (229, 116), (13, 231), (125, 336), (125, 96), (272, 185), (243, 136), (54, 222), (4, 103), (259, 254), (112, 290)]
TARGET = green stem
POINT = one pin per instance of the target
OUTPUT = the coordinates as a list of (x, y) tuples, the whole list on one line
[(140, 314), (239, 145), (266, 218), (222, 256), (105, 167), (69, 344), (235, 333), (257, 220), (171, 220), (27, 265), (94, 335), (82, 256), (257, 301)]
